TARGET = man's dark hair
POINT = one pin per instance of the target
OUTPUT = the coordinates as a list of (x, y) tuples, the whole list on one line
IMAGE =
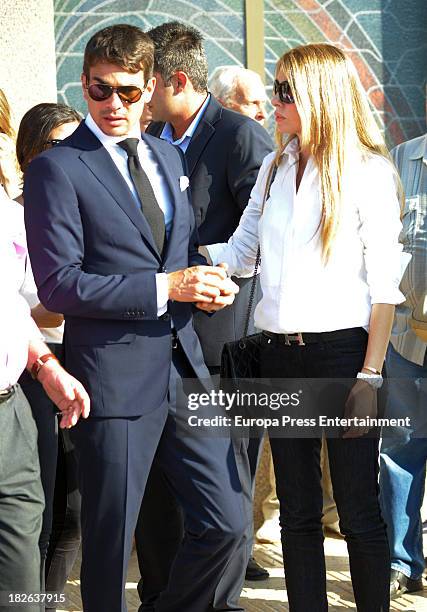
[(36, 126), (124, 45), (178, 47)]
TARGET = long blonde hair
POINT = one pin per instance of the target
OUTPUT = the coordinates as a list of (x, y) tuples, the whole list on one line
[(5, 117), (6, 128), (335, 117)]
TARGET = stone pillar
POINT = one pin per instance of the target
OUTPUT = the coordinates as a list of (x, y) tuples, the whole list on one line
[(27, 53)]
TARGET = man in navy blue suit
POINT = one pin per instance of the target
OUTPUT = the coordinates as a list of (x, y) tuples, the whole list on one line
[(224, 151), (114, 247)]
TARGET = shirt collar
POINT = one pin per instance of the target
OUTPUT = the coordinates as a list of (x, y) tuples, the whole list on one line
[(420, 150), (110, 141), (292, 149), (167, 132)]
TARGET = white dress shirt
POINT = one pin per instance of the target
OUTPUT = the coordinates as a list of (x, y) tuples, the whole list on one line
[(16, 325), (157, 180), (299, 292)]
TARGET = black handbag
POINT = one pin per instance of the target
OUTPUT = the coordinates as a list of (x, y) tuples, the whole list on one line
[(240, 359)]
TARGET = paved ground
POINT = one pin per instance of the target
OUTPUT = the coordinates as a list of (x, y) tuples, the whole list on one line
[(270, 596)]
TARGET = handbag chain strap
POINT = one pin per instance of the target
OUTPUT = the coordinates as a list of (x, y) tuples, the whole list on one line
[(271, 175)]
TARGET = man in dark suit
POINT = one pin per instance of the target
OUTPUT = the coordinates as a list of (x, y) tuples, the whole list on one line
[(113, 245), (223, 151)]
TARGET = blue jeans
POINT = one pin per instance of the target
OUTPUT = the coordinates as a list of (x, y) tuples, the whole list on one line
[(403, 466)]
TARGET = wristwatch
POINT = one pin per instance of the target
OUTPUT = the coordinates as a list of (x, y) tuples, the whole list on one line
[(39, 363), (375, 380)]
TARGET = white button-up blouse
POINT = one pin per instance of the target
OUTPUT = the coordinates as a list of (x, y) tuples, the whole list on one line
[(299, 292), (16, 325)]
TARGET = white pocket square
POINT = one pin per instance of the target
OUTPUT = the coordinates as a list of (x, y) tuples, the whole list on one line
[(184, 181)]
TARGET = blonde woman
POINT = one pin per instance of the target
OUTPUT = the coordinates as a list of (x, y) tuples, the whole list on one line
[(329, 275), (10, 175)]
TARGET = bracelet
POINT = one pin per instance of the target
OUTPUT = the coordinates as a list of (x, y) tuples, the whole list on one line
[(371, 369), (375, 380), (39, 363)]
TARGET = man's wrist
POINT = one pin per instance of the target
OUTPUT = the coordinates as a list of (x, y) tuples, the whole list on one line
[(40, 363)]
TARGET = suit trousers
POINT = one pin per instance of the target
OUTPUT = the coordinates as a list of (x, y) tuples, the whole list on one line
[(21, 501), (160, 531), (115, 456)]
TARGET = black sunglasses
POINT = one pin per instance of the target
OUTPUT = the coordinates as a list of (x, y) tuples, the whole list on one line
[(127, 93), (53, 142), (283, 90)]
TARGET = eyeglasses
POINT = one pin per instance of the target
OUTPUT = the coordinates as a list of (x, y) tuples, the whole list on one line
[(127, 93), (283, 90), (53, 142)]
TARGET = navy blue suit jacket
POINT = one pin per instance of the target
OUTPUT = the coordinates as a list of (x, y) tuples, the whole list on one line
[(223, 158), (94, 260)]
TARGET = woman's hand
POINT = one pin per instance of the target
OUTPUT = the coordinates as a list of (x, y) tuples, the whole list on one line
[(362, 399), (361, 403)]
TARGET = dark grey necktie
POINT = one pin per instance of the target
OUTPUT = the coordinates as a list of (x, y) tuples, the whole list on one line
[(150, 207)]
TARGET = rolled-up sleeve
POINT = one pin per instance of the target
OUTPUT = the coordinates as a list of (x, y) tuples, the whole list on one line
[(380, 227)]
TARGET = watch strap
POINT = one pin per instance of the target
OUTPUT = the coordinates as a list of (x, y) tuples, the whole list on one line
[(39, 363)]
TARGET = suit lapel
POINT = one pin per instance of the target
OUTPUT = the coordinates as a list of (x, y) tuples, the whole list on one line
[(99, 162), (204, 132)]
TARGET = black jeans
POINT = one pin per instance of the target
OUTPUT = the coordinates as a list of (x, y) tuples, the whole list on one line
[(354, 474), (65, 538)]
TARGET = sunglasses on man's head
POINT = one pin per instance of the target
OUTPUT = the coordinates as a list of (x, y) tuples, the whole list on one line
[(127, 93), (283, 90)]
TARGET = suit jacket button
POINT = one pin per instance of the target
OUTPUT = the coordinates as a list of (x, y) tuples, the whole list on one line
[(165, 317)]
